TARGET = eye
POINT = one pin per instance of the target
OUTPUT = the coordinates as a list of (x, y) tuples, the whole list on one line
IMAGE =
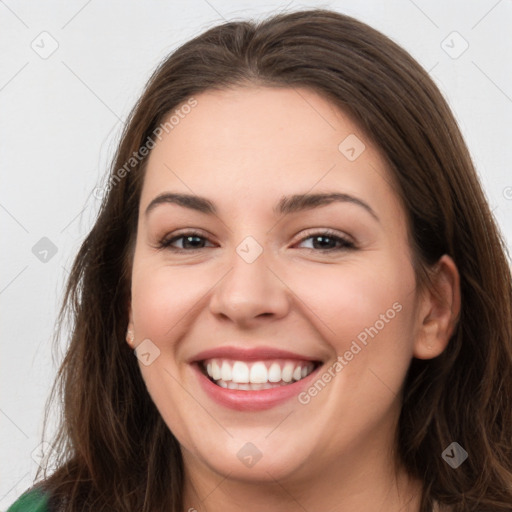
[(191, 240), (328, 241), (322, 241)]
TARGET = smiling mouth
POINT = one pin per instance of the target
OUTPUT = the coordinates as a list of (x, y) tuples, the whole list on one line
[(256, 375)]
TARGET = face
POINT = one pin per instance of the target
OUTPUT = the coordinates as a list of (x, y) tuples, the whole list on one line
[(312, 301)]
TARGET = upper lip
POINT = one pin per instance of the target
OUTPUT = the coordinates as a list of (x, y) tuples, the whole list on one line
[(249, 354)]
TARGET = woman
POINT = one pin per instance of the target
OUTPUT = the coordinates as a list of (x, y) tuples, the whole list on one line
[(297, 249)]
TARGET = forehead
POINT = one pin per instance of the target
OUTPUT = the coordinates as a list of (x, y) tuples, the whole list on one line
[(253, 118), (260, 142)]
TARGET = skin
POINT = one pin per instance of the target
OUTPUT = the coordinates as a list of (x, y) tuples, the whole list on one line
[(244, 149)]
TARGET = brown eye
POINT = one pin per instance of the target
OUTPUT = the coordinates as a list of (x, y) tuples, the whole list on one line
[(323, 241), (328, 241), (190, 241)]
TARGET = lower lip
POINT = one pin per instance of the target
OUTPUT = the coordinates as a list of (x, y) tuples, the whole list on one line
[(243, 400)]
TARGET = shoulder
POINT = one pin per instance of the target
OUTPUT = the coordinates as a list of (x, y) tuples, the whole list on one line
[(32, 500)]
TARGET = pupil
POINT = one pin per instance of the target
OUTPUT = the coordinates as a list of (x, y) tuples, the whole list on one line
[(196, 241), (317, 238), (189, 238)]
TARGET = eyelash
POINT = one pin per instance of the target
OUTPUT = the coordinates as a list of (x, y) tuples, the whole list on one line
[(346, 244)]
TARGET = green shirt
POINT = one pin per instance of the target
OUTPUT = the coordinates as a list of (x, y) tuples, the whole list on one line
[(30, 501)]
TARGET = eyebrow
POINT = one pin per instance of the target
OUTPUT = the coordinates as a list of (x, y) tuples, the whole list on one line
[(286, 205)]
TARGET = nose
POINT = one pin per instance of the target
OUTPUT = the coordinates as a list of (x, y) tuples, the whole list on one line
[(249, 293)]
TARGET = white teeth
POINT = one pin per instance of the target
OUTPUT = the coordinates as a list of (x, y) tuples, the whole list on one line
[(225, 371), (240, 373), (274, 373), (259, 373), (250, 386), (216, 373), (255, 375), (287, 373)]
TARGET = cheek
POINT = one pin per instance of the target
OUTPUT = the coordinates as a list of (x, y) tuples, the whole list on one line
[(365, 311), (162, 297), (347, 298)]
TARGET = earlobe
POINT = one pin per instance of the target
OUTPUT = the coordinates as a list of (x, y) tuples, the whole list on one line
[(130, 331), (130, 337), (439, 310)]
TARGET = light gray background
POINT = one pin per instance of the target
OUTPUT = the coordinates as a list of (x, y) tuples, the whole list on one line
[(61, 117)]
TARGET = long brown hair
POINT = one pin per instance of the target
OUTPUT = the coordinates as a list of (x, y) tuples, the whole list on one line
[(113, 450)]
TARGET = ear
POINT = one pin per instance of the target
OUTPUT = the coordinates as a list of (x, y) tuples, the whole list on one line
[(130, 331), (438, 310)]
